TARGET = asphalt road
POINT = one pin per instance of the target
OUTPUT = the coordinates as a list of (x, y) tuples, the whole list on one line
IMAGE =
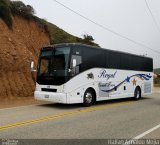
[(116, 119)]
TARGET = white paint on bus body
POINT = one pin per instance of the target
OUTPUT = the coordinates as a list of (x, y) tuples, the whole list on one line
[(107, 83)]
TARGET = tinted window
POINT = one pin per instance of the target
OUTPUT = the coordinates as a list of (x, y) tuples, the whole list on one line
[(53, 66), (113, 60), (103, 58), (93, 58), (118, 60)]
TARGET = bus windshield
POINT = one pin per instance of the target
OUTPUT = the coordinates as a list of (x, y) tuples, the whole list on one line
[(53, 65)]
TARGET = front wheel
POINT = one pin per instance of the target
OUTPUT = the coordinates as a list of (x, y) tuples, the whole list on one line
[(88, 98), (137, 93)]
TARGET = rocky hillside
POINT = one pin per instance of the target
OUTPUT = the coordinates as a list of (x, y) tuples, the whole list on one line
[(18, 47), (22, 34)]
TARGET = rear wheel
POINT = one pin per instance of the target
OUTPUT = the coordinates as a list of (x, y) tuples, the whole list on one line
[(88, 98), (137, 93)]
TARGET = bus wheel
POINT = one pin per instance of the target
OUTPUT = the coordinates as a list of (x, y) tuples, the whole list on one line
[(137, 93), (88, 98)]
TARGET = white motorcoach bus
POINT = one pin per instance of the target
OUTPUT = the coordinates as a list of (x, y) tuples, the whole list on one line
[(78, 73)]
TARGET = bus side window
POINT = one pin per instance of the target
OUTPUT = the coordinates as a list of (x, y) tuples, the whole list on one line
[(76, 70)]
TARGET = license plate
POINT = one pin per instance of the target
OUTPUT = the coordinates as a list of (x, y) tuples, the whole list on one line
[(46, 96)]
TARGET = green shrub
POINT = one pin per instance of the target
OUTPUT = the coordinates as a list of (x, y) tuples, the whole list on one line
[(5, 13), (20, 9)]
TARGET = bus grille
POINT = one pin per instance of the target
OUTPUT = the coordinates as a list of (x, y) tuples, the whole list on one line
[(49, 90)]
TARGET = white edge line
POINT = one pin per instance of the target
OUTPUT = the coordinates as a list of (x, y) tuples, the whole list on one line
[(142, 135), (147, 132)]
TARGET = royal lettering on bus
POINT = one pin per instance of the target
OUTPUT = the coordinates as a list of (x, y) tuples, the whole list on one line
[(104, 74)]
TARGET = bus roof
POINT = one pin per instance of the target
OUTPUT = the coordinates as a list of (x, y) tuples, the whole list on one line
[(95, 47)]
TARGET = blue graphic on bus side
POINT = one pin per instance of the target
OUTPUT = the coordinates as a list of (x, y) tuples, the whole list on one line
[(140, 76)]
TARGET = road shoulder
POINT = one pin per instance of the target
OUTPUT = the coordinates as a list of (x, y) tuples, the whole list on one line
[(21, 101)]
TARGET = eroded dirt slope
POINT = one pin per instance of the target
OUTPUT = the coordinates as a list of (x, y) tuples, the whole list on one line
[(18, 47)]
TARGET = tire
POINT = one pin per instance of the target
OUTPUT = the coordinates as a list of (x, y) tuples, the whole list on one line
[(137, 93), (89, 98)]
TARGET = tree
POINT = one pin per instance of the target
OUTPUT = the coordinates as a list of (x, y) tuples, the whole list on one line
[(88, 39), (5, 12), (19, 8)]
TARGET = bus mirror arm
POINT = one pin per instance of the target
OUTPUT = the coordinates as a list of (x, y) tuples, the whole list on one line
[(32, 67), (74, 63), (32, 71)]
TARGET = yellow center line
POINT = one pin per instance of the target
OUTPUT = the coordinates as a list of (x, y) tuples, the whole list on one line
[(46, 118)]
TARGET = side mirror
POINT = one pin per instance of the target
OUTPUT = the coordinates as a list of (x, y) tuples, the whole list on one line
[(32, 71), (32, 67), (74, 63)]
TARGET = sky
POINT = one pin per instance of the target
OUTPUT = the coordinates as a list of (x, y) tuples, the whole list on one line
[(130, 18)]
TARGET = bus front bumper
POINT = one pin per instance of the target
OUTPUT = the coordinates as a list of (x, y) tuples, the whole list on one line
[(51, 97)]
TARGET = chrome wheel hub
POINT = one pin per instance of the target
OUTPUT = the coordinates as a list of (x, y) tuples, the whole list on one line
[(88, 97)]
